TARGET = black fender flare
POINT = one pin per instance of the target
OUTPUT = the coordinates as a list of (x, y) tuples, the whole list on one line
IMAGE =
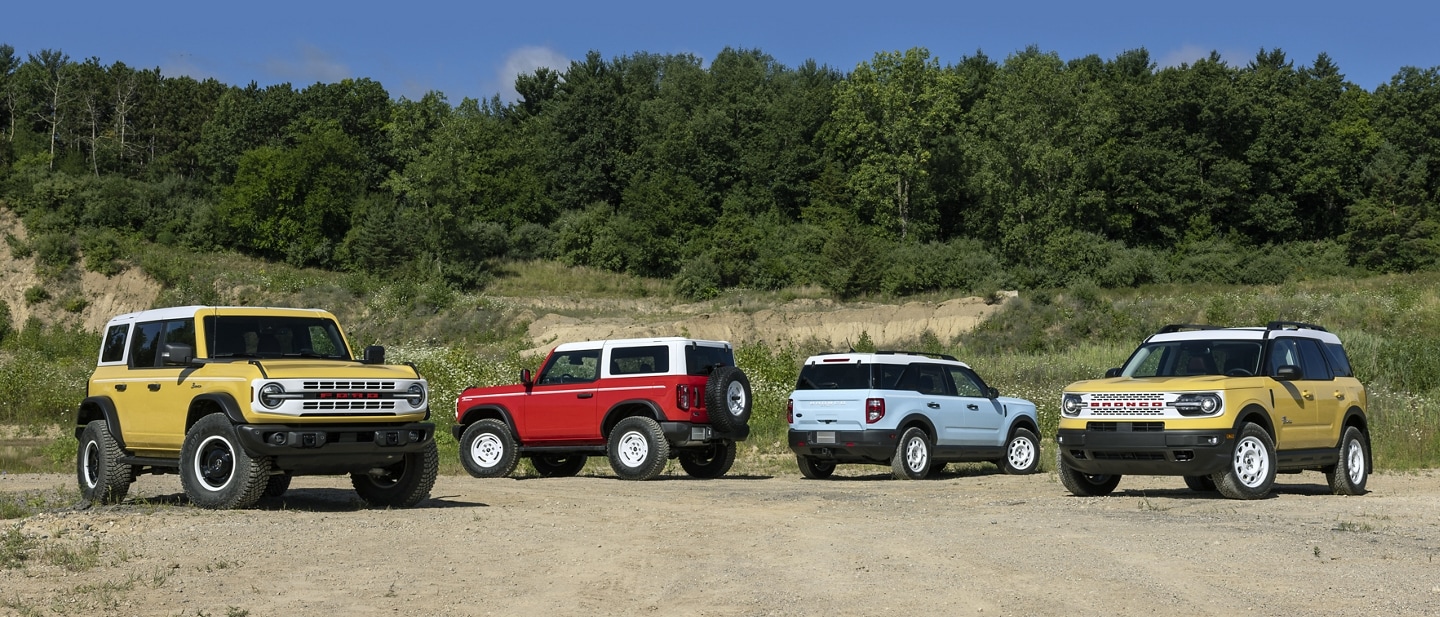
[(1355, 417), (618, 412), (1023, 421), (224, 401), (480, 412), (1257, 415), (99, 408), (917, 418)]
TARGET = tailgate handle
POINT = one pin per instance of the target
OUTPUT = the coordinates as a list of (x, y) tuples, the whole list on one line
[(933, 405), (585, 395), (154, 387)]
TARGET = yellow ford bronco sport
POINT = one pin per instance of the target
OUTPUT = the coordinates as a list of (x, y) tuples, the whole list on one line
[(237, 400), (1227, 408)]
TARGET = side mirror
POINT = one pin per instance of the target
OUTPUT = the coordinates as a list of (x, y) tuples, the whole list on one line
[(374, 354), (1289, 372), (1114, 372), (525, 378), (992, 392), (177, 353)]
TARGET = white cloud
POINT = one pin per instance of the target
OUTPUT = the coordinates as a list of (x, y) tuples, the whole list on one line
[(523, 61), (313, 65)]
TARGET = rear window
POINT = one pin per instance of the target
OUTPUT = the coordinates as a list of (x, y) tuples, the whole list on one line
[(837, 376), (114, 349), (701, 359), (639, 360)]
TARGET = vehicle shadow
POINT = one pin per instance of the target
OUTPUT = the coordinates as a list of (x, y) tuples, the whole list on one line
[(310, 500)]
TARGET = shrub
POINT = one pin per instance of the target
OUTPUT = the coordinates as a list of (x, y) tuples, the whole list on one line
[(699, 279), (5, 327), (54, 253), (102, 252), (19, 249), (36, 294)]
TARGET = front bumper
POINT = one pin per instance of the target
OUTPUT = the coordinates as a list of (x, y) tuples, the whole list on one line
[(290, 440), (1135, 448), (845, 446)]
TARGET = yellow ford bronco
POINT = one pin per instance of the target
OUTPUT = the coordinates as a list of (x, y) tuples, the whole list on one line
[(237, 400), (1227, 408)]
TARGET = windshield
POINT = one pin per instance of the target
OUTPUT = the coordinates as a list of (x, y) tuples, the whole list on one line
[(250, 336), (1178, 358)]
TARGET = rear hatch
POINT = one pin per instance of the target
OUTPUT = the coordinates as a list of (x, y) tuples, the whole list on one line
[(830, 395)]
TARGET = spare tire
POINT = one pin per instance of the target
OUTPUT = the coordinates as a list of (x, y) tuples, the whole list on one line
[(728, 401)]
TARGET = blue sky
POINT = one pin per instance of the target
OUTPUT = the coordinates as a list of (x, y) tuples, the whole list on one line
[(474, 49)]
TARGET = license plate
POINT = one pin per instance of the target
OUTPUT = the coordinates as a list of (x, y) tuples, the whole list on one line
[(825, 437)]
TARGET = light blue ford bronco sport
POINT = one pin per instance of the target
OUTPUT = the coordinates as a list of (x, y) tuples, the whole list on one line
[(914, 412)]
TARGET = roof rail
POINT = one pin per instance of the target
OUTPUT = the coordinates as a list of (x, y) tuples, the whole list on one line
[(939, 356), (1177, 327), (1293, 325)]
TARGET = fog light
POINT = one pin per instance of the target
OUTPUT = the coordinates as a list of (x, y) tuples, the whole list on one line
[(277, 439), (414, 435)]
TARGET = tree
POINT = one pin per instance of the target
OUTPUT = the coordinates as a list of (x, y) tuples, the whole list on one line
[(48, 74)]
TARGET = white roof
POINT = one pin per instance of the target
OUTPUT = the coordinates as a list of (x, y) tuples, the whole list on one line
[(664, 340), (899, 357), (1242, 334), (182, 312)]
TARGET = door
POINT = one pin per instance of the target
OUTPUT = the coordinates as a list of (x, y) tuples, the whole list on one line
[(155, 400), (561, 404), (980, 416), (1325, 396), (1295, 407)]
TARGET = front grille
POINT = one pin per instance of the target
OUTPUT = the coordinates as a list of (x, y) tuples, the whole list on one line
[(347, 405), (1101, 411), (1147, 427), (1143, 396), (1102, 427), (1128, 456), (1134, 427), (349, 385)]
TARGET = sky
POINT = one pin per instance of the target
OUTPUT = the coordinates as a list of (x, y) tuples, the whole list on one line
[(475, 49)]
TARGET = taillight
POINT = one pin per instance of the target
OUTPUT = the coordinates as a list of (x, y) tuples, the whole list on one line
[(789, 411), (874, 410), (682, 396)]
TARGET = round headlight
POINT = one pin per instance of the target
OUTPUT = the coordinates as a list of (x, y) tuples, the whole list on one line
[(1071, 404), (1209, 403), (270, 395), (415, 395)]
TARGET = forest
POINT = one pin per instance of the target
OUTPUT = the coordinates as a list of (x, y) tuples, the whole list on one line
[(898, 176)]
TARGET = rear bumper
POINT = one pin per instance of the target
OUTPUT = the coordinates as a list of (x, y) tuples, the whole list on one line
[(845, 446), (1158, 453)]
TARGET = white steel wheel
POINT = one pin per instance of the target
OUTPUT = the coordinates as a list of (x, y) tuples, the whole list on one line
[(1355, 461), (1022, 453), (737, 401), (487, 450), (916, 455), (912, 455), (1252, 462), (634, 449)]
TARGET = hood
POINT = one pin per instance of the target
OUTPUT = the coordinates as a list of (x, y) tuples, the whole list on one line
[(333, 369), (1163, 384)]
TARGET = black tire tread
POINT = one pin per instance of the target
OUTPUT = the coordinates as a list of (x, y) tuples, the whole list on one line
[(251, 474), (898, 468), (659, 448), (814, 469), (716, 404), (113, 481), (509, 459), (704, 464), (414, 484)]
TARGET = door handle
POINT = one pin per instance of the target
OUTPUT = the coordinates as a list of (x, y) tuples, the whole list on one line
[(973, 407), (1307, 394), (933, 405), (585, 395), (154, 387), (1339, 395), (119, 387)]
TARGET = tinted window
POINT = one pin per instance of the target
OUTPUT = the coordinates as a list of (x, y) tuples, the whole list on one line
[(114, 349), (577, 366), (145, 344), (1312, 360), (700, 359), (925, 379), (1176, 358), (1283, 352), (1339, 362), (966, 382), (834, 376), (251, 336), (639, 360)]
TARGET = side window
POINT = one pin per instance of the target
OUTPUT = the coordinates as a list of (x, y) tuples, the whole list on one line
[(576, 366), (145, 345), (888, 376), (639, 360), (1283, 352), (1339, 362), (966, 383), (1312, 360), (925, 379), (181, 331), (114, 348)]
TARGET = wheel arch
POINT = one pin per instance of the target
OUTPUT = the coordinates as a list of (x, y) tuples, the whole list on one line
[(490, 411), (920, 420), (628, 408), (1257, 415), (1023, 421), (99, 408), (1356, 417), (214, 402)]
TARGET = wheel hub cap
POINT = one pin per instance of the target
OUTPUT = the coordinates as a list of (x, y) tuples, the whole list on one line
[(915, 455), (1355, 462), (735, 398), (214, 464), (487, 450), (633, 449), (1021, 453), (1252, 464)]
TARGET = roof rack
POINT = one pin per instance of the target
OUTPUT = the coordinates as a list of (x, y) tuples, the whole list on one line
[(1293, 325), (1177, 327), (939, 356)]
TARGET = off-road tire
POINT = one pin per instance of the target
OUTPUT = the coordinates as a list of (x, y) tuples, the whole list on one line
[(1349, 475), (637, 448), (728, 401), (813, 468), (558, 465), (1251, 472), (1022, 453), (215, 472), (912, 455), (277, 485), (488, 449), (1200, 484), (97, 468), (709, 461), (1081, 484), (402, 485)]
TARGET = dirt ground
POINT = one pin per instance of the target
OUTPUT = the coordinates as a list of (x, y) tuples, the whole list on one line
[(969, 543)]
